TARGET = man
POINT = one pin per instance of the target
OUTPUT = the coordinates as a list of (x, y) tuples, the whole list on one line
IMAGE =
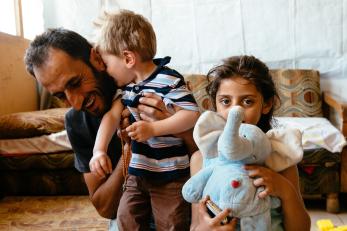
[(62, 61)]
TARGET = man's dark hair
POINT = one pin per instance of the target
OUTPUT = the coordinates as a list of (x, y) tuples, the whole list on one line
[(68, 41)]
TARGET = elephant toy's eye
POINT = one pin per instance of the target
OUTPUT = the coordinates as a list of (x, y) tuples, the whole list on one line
[(235, 183), (244, 136)]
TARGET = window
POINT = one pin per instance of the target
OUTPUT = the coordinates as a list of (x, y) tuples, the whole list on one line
[(7, 17), (21, 17)]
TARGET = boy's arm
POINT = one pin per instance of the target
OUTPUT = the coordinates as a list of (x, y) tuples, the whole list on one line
[(100, 163), (108, 126), (152, 108), (181, 121)]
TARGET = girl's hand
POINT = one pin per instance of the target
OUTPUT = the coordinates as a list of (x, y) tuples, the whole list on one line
[(274, 183), (208, 223), (140, 131)]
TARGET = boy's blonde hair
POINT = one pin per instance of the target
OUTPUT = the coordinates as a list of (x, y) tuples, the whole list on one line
[(126, 30)]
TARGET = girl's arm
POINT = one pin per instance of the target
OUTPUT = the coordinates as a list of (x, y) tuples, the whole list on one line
[(100, 162), (201, 220), (284, 185)]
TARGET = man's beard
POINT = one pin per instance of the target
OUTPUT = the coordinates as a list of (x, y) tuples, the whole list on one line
[(106, 88)]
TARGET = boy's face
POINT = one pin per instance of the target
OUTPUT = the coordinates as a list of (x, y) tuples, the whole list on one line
[(116, 67)]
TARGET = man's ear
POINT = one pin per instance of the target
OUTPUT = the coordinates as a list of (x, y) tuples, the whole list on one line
[(96, 60), (129, 58)]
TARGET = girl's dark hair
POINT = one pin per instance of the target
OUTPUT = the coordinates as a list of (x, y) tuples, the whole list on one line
[(251, 69), (68, 41)]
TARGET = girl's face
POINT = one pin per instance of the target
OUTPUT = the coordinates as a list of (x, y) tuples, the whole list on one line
[(241, 92)]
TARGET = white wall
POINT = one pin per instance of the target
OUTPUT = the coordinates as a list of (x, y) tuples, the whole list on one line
[(199, 33)]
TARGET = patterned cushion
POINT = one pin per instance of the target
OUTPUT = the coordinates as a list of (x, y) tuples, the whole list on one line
[(197, 85), (29, 124), (299, 92)]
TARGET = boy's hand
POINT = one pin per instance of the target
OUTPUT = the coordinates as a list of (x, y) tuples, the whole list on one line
[(100, 164), (140, 131)]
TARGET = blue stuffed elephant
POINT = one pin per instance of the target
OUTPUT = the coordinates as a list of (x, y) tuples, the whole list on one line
[(226, 181)]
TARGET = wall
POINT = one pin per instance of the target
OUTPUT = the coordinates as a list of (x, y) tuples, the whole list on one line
[(199, 33), (17, 88)]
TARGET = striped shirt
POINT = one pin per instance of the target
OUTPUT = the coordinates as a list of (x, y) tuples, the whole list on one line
[(163, 158)]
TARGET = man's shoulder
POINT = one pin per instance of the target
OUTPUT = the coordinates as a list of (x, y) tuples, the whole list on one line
[(80, 119), (73, 115)]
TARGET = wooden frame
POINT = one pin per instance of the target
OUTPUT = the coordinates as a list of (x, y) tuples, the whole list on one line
[(19, 18), (336, 110)]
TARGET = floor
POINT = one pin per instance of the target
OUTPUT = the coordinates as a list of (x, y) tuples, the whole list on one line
[(77, 213), (317, 211)]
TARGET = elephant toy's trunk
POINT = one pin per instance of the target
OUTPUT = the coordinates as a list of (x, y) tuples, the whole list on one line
[(230, 144)]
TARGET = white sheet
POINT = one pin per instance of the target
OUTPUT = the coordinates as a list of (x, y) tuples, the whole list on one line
[(56, 142), (316, 132)]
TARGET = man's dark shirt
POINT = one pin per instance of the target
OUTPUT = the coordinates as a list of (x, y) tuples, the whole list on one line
[(82, 128)]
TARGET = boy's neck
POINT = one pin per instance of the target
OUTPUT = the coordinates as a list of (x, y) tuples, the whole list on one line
[(143, 70)]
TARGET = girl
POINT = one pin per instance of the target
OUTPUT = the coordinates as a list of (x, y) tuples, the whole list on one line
[(245, 81)]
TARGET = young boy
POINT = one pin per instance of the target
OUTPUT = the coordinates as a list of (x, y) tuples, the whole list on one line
[(159, 164)]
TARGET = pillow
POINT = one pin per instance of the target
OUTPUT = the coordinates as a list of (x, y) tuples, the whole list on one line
[(299, 92), (316, 132), (197, 85), (53, 143), (29, 124)]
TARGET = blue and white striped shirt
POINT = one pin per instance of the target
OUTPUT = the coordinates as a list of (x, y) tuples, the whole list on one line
[(162, 158)]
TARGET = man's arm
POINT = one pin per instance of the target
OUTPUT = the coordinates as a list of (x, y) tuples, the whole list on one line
[(105, 193)]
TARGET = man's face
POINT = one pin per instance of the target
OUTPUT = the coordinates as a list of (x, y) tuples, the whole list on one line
[(74, 81)]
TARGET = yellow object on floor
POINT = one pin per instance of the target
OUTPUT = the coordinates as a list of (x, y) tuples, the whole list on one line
[(339, 228), (327, 225)]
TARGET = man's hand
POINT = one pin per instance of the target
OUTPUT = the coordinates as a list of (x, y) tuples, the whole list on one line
[(152, 108), (100, 164)]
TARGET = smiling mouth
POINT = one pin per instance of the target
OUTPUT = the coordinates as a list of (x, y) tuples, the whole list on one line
[(88, 104)]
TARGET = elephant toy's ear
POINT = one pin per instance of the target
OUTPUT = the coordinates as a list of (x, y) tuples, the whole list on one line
[(206, 133), (286, 148)]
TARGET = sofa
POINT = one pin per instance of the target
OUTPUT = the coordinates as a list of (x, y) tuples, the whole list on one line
[(50, 171), (35, 156)]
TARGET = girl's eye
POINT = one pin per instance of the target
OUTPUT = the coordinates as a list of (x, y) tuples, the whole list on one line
[(225, 101), (247, 102)]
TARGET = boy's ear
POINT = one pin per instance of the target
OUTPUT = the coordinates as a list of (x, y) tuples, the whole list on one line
[(96, 60), (129, 58)]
